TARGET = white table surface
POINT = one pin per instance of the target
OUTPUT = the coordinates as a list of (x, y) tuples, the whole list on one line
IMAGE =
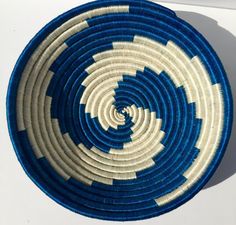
[(21, 202)]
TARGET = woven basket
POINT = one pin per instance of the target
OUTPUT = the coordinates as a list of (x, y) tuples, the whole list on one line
[(119, 110)]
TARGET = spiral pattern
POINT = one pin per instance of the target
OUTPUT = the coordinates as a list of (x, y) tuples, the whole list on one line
[(119, 110)]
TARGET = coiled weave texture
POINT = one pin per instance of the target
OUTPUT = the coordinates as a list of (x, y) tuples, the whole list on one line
[(119, 110)]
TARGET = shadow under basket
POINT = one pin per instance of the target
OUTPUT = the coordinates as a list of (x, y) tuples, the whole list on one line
[(119, 110)]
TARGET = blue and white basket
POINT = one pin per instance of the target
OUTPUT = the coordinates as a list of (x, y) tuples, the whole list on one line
[(119, 110)]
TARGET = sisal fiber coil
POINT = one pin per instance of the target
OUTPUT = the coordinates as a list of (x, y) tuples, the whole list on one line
[(119, 110)]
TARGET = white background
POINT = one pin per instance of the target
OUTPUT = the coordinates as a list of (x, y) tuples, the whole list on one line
[(227, 4), (21, 202)]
